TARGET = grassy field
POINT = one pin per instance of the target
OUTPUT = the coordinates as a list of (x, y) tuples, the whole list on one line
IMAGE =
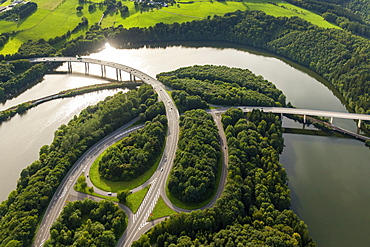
[(63, 15), (198, 10), (52, 18), (161, 210), (134, 200)]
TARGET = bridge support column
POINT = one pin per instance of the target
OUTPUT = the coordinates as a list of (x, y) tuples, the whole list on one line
[(87, 68), (359, 124), (130, 77), (69, 64), (119, 75), (304, 119), (331, 120), (103, 71)]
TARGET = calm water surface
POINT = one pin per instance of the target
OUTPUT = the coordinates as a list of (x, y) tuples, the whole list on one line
[(328, 175), (24, 135)]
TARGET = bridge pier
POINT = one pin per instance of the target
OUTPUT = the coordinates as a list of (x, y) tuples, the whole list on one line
[(359, 124), (69, 65), (119, 75), (304, 119), (103, 71), (331, 120), (87, 68), (132, 78)]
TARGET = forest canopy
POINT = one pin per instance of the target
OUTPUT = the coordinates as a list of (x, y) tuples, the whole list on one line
[(193, 176), (135, 154), (220, 85), (88, 223), (253, 209)]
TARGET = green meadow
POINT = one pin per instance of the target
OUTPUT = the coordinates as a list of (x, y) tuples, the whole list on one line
[(183, 12), (161, 210), (54, 18)]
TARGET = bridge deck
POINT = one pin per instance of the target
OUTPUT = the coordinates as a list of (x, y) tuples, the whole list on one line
[(309, 112)]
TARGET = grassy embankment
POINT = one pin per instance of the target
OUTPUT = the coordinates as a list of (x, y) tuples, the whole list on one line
[(161, 210), (63, 14)]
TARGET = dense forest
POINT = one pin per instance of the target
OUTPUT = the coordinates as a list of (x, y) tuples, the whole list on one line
[(339, 56), (88, 223), (22, 211), (361, 7), (193, 176), (221, 85), (135, 154), (253, 208), (185, 101)]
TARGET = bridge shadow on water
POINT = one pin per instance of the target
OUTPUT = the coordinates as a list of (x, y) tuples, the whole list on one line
[(315, 132)]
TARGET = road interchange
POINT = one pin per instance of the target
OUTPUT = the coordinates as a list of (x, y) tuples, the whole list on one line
[(158, 180)]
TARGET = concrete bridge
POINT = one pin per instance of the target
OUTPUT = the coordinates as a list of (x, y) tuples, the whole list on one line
[(87, 61), (320, 113), (145, 77), (308, 112)]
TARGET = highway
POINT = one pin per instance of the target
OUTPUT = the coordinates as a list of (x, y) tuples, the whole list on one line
[(158, 180)]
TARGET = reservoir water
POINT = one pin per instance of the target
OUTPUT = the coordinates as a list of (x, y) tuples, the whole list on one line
[(328, 175)]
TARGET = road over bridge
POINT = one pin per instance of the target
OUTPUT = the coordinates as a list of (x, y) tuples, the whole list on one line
[(308, 112), (87, 61)]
